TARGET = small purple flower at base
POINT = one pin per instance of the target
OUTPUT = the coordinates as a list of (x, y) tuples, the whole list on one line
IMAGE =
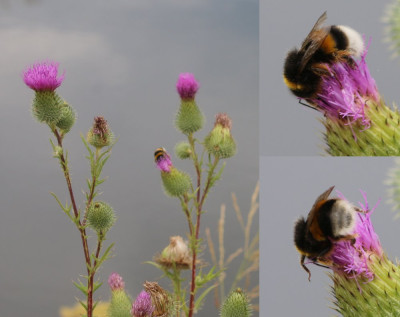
[(347, 90), (43, 76), (116, 282), (142, 307), (354, 259), (187, 86)]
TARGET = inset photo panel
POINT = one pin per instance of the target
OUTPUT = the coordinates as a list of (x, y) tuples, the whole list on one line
[(329, 236), (329, 77)]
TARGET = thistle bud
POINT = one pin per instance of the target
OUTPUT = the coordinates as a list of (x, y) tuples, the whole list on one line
[(100, 216), (175, 182), (236, 305), (142, 307), (219, 142), (183, 150), (68, 118), (189, 118), (175, 254), (100, 135), (120, 304), (159, 297)]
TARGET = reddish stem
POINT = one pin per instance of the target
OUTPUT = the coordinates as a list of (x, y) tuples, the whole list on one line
[(81, 230)]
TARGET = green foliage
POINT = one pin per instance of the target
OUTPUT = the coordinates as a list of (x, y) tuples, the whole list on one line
[(236, 305), (392, 19), (189, 118)]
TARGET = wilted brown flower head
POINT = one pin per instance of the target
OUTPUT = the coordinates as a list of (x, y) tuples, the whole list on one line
[(159, 298), (176, 253), (224, 120), (100, 126)]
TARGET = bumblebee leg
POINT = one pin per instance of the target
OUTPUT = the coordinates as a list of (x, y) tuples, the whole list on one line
[(307, 105), (303, 257)]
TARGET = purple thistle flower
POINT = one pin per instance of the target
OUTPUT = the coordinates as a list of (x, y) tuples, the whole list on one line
[(187, 86), (116, 282), (163, 160), (142, 306), (354, 259), (346, 92), (43, 76)]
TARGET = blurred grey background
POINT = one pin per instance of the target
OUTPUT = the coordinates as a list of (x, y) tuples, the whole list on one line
[(122, 59), (289, 187), (286, 127)]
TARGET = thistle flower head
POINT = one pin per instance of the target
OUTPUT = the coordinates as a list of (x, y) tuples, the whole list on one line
[(346, 92), (100, 134), (175, 254), (187, 86), (43, 76), (163, 160), (142, 306), (236, 305), (116, 282), (223, 120), (353, 259)]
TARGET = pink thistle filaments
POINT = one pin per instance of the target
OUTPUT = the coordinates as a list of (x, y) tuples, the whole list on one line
[(163, 160), (116, 282), (43, 76), (187, 86), (142, 306)]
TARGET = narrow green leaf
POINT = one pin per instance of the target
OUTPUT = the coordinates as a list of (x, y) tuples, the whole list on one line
[(81, 287), (199, 301)]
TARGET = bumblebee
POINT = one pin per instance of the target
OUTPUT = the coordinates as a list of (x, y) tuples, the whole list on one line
[(329, 221), (323, 46), (159, 154)]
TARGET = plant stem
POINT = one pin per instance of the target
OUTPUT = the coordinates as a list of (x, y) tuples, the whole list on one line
[(200, 202), (81, 228)]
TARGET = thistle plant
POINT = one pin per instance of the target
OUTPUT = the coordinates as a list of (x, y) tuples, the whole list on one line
[(365, 281), (218, 145), (51, 109), (392, 30), (236, 305)]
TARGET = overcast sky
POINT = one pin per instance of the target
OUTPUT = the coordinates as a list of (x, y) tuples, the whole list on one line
[(121, 60)]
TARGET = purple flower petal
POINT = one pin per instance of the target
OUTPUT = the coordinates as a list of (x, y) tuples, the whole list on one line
[(116, 282), (43, 76), (187, 86), (142, 306)]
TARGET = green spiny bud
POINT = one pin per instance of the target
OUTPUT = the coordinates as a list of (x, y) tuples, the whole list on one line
[(100, 216), (100, 135), (189, 118), (219, 142), (381, 138), (175, 182), (120, 305), (183, 150), (362, 297), (236, 305), (67, 118), (47, 107)]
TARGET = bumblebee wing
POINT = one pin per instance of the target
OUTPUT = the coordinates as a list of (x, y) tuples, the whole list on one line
[(313, 40), (323, 196)]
